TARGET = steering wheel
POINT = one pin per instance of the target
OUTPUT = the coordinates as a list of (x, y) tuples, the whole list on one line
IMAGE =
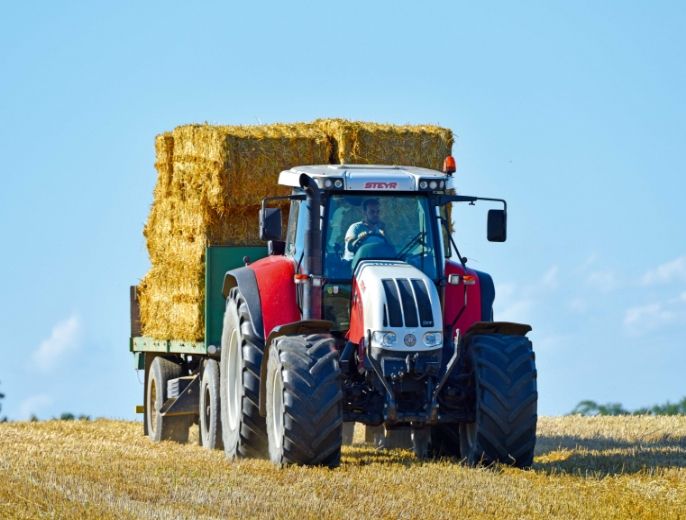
[(368, 237)]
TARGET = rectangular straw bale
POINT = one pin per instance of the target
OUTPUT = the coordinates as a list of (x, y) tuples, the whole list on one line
[(239, 165), (358, 142), (170, 308), (184, 230)]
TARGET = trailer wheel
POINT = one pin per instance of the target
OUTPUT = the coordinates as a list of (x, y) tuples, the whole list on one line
[(210, 421), (445, 441), (304, 401), (506, 401), (161, 428), (243, 428)]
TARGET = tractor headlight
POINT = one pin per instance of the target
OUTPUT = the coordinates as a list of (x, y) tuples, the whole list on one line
[(432, 339), (338, 184), (386, 339), (423, 185)]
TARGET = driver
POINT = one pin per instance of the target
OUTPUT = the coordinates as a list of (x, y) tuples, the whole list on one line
[(370, 226)]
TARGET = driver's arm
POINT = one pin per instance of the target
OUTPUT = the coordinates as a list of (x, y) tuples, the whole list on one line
[(353, 234)]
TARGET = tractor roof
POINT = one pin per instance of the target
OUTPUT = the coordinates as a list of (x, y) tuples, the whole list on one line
[(371, 177)]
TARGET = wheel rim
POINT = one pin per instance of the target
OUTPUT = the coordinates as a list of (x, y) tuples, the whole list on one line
[(277, 410), (207, 411), (235, 381), (152, 406)]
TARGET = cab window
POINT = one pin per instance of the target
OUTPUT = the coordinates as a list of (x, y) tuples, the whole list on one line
[(295, 235)]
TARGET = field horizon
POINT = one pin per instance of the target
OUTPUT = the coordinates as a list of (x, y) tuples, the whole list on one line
[(602, 467)]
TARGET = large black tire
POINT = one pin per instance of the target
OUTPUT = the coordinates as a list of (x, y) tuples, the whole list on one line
[(505, 403), (161, 428), (243, 429), (210, 409), (445, 441), (304, 401)]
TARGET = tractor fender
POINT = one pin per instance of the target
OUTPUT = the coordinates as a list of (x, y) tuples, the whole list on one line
[(268, 288), (244, 278), (302, 327), (487, 290), (506, 328)]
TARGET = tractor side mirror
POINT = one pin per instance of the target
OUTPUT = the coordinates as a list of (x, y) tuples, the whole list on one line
[(270, 224), (497, 225)]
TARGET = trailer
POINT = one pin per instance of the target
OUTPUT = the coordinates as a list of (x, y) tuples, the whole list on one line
[(184, 379)]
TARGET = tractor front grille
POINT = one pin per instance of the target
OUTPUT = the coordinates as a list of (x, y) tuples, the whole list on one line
[(407, 303)]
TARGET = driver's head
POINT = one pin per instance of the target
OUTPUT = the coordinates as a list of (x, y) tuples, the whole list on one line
[(372, 211)]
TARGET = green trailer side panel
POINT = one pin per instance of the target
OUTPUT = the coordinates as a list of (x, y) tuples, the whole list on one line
[(218, 260), (145, 344)]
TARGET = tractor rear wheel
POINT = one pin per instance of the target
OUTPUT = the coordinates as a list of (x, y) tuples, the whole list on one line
[(304, 401), (506, 401), (210, 420), (243, 429), (163, 428)]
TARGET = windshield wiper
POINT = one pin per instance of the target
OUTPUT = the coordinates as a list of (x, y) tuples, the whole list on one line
[(417, 239), (463, 260)]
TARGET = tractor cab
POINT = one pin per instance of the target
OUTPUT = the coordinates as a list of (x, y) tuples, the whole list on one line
[(367, 212)]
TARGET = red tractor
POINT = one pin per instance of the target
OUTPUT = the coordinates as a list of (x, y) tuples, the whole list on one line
[(367, 313)]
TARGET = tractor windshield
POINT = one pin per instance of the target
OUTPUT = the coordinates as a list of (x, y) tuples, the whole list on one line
[(378, 226)]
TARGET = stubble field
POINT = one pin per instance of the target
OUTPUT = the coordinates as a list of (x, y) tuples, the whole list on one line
[(585, 467)]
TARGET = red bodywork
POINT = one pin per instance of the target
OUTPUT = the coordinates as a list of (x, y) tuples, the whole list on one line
[(356, 331), (277, 291), (454, 300), (452, 307), (275, 278)]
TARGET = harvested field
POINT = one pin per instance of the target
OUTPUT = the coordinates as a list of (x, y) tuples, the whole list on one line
[(211, 180), (609, 467)]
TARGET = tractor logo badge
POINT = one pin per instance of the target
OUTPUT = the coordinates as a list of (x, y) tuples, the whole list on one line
[(381, 186)]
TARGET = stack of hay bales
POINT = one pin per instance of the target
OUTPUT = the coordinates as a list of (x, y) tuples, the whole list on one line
[(211, 180)]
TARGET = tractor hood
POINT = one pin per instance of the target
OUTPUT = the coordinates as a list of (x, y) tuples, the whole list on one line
[(398, 304)]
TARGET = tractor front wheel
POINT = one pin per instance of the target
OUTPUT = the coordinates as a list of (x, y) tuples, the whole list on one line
[(506, 401), (304, 401), (243, 429)]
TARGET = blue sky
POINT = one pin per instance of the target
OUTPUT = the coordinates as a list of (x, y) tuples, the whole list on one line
[(573, 111)]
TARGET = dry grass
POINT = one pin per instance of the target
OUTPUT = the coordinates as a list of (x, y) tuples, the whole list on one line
[(613, 467)]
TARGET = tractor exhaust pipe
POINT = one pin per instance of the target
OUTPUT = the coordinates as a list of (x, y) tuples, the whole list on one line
[(312, 261)]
